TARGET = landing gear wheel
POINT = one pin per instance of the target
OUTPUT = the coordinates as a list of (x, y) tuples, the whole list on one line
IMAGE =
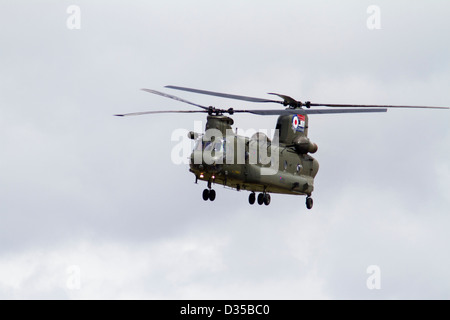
[(212, 195), (266, 199), (309, 203), (260, 199), (252, 198), (205, 195)]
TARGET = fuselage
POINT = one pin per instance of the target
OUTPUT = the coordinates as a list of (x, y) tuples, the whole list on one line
[(256, 164)]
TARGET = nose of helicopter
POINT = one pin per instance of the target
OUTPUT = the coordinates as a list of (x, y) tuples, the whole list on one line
[(201, 161)]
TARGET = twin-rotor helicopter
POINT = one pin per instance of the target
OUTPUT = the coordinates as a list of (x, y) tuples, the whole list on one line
[(258, 164)]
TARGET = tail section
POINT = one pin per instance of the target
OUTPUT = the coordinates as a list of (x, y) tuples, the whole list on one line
[(293, 131)]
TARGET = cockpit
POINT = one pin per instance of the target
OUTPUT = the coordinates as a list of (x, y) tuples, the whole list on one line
[(216, 146)]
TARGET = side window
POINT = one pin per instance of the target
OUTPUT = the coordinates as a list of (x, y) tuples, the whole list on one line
[(228, 146)]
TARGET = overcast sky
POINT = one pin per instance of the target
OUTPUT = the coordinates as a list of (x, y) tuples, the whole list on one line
[(93, 207)]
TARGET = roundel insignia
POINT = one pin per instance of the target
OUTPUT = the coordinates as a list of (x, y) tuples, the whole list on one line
[(295, 122), (298, 123)]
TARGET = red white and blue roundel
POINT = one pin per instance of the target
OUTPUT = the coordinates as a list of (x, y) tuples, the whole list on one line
[(298, 123)]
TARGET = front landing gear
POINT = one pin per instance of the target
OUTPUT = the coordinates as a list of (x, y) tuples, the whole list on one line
[(209, 195), (309, 202)]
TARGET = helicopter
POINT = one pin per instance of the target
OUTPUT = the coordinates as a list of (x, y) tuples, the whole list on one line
[(258, 164)]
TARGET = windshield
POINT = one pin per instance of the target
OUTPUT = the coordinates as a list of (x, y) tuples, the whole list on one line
[(217, 146), (198, 145)]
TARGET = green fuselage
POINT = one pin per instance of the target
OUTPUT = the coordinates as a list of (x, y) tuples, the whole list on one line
[(256, 164)]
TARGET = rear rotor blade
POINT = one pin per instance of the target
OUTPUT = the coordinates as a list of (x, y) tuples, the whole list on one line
[(370, 106), (174, 98), (294, 103), (224, 95), (157, 112), (288, 101)]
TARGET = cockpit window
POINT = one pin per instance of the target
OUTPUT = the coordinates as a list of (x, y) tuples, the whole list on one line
[(209, 146), (198, 145), (218, 146)]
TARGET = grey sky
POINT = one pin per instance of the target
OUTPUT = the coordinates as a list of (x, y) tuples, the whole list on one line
[(81, 187)]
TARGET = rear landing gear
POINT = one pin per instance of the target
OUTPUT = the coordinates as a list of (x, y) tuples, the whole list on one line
[(263, 198), (309, 202), (252, 198), (266, 199), (260, 199)]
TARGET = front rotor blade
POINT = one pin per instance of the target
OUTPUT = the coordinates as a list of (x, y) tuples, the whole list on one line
[(224, 95), (308, 111), (157, 112), (371, 106), (174, 98)]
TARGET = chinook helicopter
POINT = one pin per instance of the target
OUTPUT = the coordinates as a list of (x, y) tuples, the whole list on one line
[(262, 166)]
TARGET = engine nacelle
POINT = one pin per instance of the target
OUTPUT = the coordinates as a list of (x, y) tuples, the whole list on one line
[(303, 145)]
